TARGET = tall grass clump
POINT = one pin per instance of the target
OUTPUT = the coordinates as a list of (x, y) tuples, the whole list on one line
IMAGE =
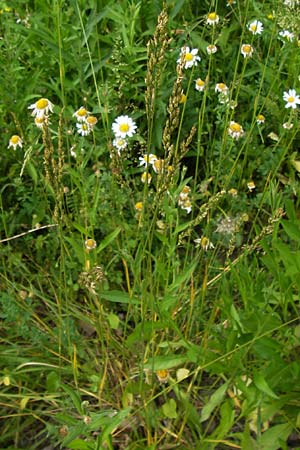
[(149, 225)]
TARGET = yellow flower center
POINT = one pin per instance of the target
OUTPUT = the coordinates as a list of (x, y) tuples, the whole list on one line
[(212, 16), (182, 98), (261, 117), (188, 57), (222, 86), (84, 127), (15, 139), (200, 82), (90, 244), (253, 27), (291, 99), (39, 120), (235, 127), (139, 206), (82, 112), (42, 103), (124, 127), (92, 120), (246, 48)]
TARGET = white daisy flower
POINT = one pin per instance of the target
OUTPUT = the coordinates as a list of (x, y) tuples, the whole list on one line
[(81, 114), (41, 108), (286, 34), (235, 130), (119, 143), (291, 98), (247, 50), (189, 56), (204, 243), (221, 88), (15, 141), (288, 125), (260, 119), (212, 18), (199, 85), (41, 121), (124, 126), (256, 27), (146, 159), (211, 49), (186, 205), (83, 129)]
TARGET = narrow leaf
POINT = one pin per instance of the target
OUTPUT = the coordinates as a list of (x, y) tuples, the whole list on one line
[(263, 386), (214, 401)]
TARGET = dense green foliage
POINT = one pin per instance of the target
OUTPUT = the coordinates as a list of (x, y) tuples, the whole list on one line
[(149, 282)]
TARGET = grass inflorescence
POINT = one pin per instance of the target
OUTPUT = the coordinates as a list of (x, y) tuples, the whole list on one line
[(149, 283)]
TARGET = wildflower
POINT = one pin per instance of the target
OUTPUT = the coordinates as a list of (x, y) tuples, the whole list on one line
[(41, 108), (211, 49), (247, 50), (235, 130), (90, 244), (199, 85), (184, 199), (251, 185), (291, 3), (41, 121), (138, 206), (124, 127), (212, 18), (227, 225), (83, 128), (147, 159), (291, 98), (158, 165), (260, 119), (162, 375), (288, 125), (91, 121), (146, 177), (15, 141), (183, 98), (185, 192), (119, 144), (189, 57), (186, 205), (204, 243), (81, 114), (233, 192), (222, 88), (286, 34), (230, 2), (256, 27)]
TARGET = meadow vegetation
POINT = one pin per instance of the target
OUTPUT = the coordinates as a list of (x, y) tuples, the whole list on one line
[(149, 246)]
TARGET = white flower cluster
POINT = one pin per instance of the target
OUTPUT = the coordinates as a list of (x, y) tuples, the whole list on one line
[(85, 121), (123, 127)]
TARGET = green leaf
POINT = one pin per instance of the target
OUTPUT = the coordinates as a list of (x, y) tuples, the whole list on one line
[(108, 239), (165, 362), (113, 320), (169, 409), (214, 401), (119, 297), (263, 386), (272, 438), (114, 422), (74, 397), (183, 277), (79, 444), (291, 229)]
